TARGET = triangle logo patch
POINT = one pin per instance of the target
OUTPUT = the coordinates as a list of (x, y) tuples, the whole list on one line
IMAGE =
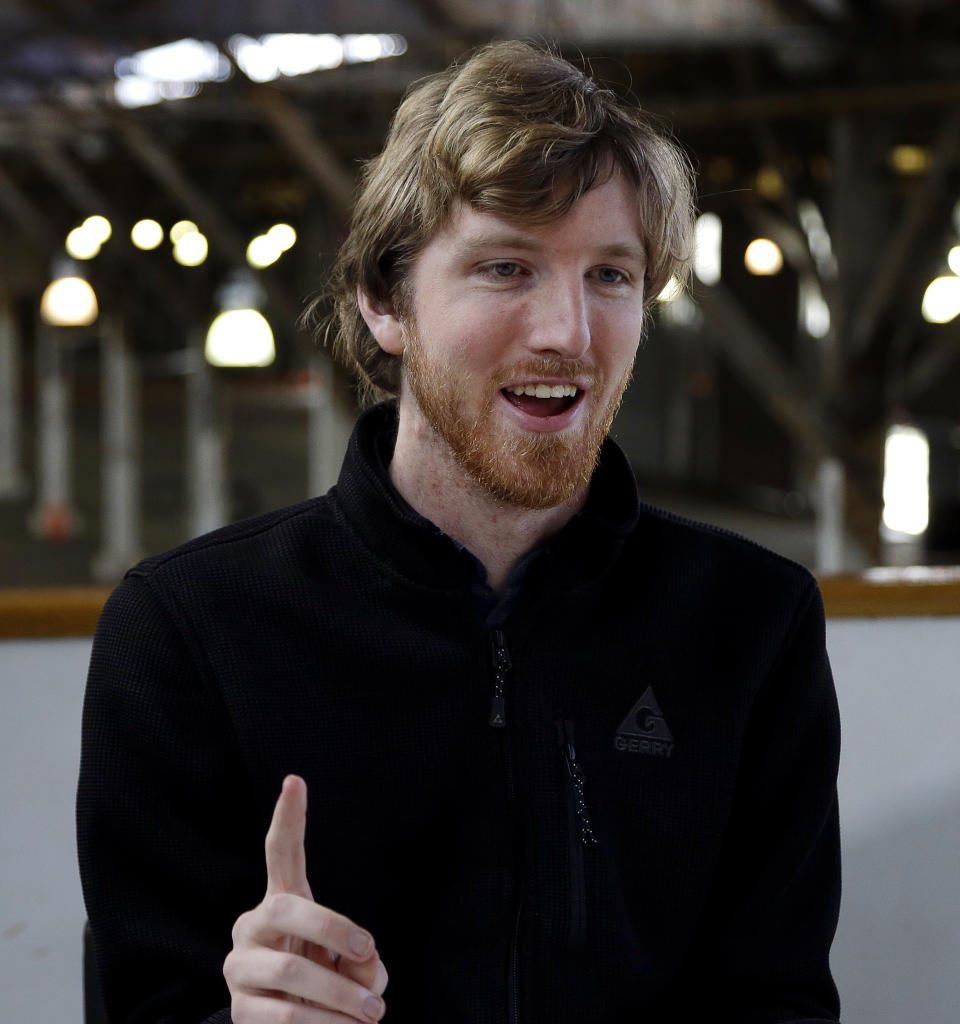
[(645, 720)]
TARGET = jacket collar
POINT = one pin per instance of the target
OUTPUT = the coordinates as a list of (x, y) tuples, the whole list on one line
[(413, 546)]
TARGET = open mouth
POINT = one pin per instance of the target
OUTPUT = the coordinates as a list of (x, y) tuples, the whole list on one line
[(542, 400)]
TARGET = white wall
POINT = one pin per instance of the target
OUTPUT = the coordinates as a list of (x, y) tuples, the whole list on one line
[(898, 947), (41, 909), (897, 954)]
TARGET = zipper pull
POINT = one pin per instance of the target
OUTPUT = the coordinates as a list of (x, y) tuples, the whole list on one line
[(501, 663), (577, 780), (498, 712)]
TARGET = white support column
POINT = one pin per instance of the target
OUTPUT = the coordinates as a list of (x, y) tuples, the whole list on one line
[(12, 480), (53, 516), (829, 518), (120, 452), (322, 462), (208, 500)]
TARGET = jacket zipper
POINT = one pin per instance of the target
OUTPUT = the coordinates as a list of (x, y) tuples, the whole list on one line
[(498, 719), (579, 833), (501, 664)]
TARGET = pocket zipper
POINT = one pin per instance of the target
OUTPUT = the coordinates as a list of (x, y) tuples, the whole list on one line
[(580, 834)]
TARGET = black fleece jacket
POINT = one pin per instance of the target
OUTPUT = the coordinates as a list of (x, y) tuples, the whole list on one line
[(609, 796)]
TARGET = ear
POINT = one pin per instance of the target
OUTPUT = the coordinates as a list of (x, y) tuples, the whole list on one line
[(383, 322)]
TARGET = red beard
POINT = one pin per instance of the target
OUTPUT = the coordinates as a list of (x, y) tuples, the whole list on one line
[(521, 469)]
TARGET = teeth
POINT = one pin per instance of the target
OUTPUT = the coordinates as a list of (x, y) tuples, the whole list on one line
[(544, 390)]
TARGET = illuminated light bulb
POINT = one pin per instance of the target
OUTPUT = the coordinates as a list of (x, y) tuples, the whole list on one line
[(191, 249), (240, 337), (671, 290), (763, 257), (941, 300), (99, 227), (82, 244), (146, 234), (283, 235), (363, 47), (906, 481), (769, 183), (300, 54), (69, 302), (708, 235), (181, 228), (953, 259), (682, 311), (909, 159), (178, 90), (263, 251), (813, 310), (136, 92), (253, 59), (184, 60)]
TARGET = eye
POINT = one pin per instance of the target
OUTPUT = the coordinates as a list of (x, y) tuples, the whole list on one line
[(504, 268), (610, 275)]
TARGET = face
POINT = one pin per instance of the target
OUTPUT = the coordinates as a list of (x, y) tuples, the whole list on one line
[(520, 341)]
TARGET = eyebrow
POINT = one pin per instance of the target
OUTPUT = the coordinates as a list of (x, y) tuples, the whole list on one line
[(507, 240)]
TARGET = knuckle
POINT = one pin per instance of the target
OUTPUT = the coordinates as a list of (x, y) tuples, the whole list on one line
[(229, 970), (240, 927), (288, 1013), (286, 970), (325, 928), (275, 906), (239, 1005)]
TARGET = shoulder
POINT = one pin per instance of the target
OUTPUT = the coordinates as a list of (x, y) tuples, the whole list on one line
[(254, 564), (696, 559), (275, 536)]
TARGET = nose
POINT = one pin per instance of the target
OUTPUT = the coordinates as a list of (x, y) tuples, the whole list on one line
[(561, 327)]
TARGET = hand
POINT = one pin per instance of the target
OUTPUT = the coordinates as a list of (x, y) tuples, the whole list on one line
[(294, 961)]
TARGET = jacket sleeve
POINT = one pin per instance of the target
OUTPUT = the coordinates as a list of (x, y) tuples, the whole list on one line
[(168, 841), (764, 948)]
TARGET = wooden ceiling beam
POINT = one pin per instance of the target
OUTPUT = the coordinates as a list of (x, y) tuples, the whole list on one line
[(299, 138), (903, 244), (33, 224), (164, 168), (687, 115), (734, 334), (932, 363), (88, 199)]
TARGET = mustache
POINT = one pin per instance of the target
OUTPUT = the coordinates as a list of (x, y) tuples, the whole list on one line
[(574, 369)]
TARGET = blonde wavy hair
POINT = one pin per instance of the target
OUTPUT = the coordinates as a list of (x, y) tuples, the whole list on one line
[(516, 131)]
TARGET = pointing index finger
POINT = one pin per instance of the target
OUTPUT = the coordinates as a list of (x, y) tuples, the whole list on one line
[(286, 860)]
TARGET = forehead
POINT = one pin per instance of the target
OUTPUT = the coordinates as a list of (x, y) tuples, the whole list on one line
[(605, 219)]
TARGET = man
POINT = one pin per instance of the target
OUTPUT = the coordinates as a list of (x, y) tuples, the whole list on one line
[(568, 758)]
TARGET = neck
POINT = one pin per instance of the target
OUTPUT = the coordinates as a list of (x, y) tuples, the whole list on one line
[(429, 478)]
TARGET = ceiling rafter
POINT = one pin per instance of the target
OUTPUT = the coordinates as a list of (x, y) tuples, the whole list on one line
[(903, 242), (87, 199), (299, 138), (33, 224), (167, 171), (809, 104)]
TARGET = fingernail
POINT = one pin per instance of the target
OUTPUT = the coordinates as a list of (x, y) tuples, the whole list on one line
[(373, 1007), (361, 943)]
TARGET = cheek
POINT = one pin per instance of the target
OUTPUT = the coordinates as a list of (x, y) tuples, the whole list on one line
[(480, 337), (621, 334)]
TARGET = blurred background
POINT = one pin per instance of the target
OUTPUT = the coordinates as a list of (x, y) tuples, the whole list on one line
[(175, 177), (174, 180)]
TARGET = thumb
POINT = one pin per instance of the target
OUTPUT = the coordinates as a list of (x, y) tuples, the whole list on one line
[(286, 859)]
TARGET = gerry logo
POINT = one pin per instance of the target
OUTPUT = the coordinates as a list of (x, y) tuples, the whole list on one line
[(644, 730)]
